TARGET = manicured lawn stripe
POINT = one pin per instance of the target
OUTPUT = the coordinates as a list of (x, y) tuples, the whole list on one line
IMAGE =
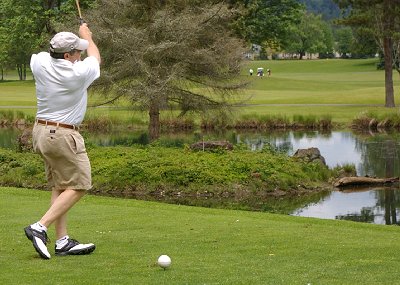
[(207, 246)]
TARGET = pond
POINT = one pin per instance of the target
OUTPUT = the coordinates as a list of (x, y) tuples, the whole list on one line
[(370, 205), (373, 154)]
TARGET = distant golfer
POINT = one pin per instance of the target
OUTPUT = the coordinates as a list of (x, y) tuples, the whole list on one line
[(62, 80), (251, 72)]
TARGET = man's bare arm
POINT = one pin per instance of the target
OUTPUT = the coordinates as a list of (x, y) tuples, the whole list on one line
[(86, 34)]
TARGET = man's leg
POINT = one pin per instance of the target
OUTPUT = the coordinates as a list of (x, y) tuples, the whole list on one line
[(60, 224), (62, 203)]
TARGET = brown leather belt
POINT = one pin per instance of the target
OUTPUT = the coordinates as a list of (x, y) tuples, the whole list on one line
[(62, 125)]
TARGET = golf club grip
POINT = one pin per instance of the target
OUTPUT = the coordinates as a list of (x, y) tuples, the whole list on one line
[(81, 21)]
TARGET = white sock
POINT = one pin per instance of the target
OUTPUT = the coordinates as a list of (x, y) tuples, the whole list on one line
[(62, 241), (39, 227)]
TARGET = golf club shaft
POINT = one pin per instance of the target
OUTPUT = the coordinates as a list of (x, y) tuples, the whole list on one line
[(81, 21)]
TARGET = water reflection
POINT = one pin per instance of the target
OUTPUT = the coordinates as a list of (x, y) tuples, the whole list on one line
[(380, 155), (337, 148), (372, 154), (370, 205)]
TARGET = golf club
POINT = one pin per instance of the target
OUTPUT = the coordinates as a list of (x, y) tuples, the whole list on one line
[(81, 21)]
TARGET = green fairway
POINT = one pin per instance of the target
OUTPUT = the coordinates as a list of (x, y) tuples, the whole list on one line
[(17, 93), (207, 246), (340, 89), (319, 81)]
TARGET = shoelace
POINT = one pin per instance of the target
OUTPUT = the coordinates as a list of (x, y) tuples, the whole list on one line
[(74, 241), (70, 244), (47, 239)]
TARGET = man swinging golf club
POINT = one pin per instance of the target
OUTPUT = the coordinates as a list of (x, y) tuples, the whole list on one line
[(61, 81)]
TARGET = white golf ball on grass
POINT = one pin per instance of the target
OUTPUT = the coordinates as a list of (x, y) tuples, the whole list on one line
[(164, 261)]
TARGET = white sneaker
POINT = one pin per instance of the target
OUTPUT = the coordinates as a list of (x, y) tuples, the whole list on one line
[(73, 247), (39, 240)]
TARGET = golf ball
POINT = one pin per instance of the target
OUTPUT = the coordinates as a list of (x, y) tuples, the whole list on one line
[(164, 261)]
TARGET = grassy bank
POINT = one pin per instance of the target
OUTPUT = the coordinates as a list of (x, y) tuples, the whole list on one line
[(207, 246), (338, 89), (164, 171)]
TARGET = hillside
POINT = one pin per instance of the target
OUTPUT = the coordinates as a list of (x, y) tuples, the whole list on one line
[(327, 8)]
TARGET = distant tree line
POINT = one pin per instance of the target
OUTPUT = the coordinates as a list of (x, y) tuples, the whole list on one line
[(290, 26), (276, 25), (328, 9)]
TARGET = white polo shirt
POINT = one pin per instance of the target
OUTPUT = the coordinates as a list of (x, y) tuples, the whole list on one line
[(61, 87)]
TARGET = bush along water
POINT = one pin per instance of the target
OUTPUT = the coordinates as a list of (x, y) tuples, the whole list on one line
[(161, 171), (10, 118), (371, 121), (275, 122)]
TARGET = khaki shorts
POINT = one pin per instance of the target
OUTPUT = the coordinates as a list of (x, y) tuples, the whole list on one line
[(64, 153)]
